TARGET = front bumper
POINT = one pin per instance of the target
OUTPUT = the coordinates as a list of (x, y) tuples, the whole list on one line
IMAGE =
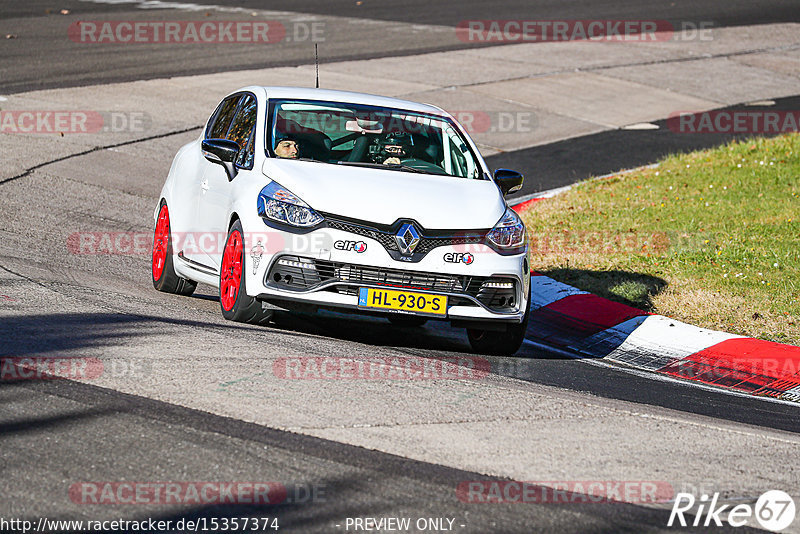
[(294, 279), (491, 289)]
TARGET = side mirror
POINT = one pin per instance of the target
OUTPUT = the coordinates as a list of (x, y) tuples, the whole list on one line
[(508, 181), (222, 152)]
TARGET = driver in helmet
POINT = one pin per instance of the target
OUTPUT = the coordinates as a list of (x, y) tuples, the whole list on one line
[(394, 147)]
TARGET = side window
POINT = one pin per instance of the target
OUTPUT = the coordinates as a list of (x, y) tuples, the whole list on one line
[(222, 118), (245, 157), (242, 130), (460, 165)]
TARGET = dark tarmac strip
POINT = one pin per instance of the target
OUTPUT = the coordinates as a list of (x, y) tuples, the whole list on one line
[(56, 434), (451, 12), (566, 162), (42, 55), (538, 364)]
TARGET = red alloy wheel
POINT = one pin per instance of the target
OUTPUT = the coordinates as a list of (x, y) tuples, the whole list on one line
[(160, 242), (231, 275)]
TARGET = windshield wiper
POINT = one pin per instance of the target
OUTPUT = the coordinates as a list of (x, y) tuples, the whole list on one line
[(390, 166), (406, 168)]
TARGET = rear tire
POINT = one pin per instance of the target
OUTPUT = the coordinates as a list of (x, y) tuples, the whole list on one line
[(500, 343), (162, 272), (235, 303)]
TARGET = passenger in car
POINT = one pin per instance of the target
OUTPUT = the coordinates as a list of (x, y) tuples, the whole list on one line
[(287, 147)]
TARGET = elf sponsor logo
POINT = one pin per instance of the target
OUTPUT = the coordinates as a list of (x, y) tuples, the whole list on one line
[(774, 510), (459, 257), (358, 246)]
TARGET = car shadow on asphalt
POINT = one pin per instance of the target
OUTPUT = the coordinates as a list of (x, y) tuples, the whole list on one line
[(437, 339), (86, 336), (434, 335), (363, 328)]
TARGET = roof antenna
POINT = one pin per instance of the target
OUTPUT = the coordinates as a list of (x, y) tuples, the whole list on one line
[(316, 63)]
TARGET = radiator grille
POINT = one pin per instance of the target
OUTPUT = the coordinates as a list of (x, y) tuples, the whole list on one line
[(305, 274)]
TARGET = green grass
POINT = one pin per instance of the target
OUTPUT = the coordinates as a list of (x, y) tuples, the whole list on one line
[(711, 238)]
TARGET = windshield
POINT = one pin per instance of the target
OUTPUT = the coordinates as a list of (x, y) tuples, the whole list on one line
[(353, 134)]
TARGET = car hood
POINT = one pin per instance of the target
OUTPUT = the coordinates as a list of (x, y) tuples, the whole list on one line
[(384, 196)]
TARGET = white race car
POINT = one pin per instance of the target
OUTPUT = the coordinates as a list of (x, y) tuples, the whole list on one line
[(303, 199)]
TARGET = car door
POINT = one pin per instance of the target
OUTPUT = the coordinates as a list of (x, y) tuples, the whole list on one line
[(200, 240), (218, 185)]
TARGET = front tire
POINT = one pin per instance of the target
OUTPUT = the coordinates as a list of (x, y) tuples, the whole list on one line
[(500, 343), (235, 303), (162, 272)]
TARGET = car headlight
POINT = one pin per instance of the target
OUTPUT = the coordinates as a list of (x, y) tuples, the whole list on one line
[(281, 205), (508, 235)]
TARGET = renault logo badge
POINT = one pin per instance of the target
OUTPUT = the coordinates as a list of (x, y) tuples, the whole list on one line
[(407, 238)]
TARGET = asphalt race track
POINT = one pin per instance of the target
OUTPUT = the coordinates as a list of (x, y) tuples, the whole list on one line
[(565, 162), (39, 27), (187, 396)]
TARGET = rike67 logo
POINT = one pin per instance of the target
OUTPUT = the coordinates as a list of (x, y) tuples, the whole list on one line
[(774, 510)]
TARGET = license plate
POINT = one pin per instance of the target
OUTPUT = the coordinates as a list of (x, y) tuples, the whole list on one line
[(390, 299)]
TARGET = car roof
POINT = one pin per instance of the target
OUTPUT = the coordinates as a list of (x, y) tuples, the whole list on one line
[(332, 95)]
